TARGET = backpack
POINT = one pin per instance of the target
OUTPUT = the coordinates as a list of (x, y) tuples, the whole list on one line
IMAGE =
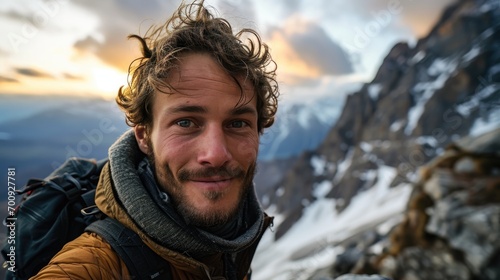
[(58, 209)]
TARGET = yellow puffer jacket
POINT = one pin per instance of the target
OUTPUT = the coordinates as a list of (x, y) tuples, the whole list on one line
[(87, 257), (90, 257)]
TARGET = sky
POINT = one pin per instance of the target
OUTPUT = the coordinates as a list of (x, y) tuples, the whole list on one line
[(322, 47)]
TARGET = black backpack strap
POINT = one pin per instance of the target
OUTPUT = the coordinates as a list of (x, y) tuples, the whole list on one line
[(141, 261)]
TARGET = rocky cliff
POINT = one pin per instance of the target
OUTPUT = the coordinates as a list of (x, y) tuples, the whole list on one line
[(424, 133), (451, 227), (424, 97)]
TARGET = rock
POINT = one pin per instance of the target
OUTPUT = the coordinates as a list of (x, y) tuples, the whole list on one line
[(472, 230), (346, 261), (463, 221), (437, 264), (441, 183)]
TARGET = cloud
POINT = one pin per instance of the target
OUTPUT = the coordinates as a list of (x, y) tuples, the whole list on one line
[(89, 44), (33, 18), (69, 76), (310, 48), (422, 16), (238, 12), (7, 80), (318, 49), (15, 15), (115, 51), (29, 72), (304, 52), (118, 19), (3, 52), (292, 6), (419, 16)]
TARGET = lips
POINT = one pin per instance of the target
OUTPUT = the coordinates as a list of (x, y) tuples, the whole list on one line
[(211, 179), (212, 183)]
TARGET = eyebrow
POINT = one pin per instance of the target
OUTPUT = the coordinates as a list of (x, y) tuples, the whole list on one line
[(241, 110), (188, 109)]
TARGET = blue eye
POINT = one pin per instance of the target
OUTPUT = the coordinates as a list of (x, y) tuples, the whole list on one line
[(184, 123), (238, 124)]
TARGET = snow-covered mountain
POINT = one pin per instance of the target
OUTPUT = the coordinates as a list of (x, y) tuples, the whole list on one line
[(356, 186), (299, 127)]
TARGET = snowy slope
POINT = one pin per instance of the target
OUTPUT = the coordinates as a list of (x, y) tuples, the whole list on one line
[(316, 239)]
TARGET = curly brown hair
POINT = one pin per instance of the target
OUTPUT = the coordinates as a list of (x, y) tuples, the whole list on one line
[(193, 29)]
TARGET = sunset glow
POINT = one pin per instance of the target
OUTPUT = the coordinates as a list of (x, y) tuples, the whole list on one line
[(65, 47)]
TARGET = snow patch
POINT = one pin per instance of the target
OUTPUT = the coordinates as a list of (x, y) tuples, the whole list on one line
[(280, 191), (387, 226), (278, 218), (429, 140), (489, 6), (377, 248), (366, 147), (304, 118), (318, 164), (397, 125), (467, 107), (343, 166), (487, 124), (328, 112), (282, 133), (442, 68), (471, 54), (368, 177), (322, 189), (495, 70), (417, 57), (374, 91)]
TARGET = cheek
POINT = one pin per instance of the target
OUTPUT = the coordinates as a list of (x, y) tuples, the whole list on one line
[(167, 149), (248, 150)]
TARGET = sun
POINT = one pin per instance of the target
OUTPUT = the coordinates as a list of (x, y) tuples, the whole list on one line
[(107, 80)]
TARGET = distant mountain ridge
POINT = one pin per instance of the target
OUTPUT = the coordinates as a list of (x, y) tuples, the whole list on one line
[(51, 129), (299, 127)]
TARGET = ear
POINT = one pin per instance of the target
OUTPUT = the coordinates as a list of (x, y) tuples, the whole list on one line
[(142, 138)]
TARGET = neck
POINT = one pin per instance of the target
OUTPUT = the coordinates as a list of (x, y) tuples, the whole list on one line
[(228, 230), (232, 228)]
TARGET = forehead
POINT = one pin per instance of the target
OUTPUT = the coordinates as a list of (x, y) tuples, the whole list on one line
[(198, 80), (201, 72)]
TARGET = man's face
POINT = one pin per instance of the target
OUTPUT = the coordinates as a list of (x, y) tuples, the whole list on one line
[(204, 140)]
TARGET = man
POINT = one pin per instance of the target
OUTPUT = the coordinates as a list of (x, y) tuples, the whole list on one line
[(182, 177)]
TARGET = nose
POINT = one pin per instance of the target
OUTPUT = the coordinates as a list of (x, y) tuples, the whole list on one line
[(213, 147)]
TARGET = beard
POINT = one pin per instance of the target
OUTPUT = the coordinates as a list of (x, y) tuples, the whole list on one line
[(204, 219)]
